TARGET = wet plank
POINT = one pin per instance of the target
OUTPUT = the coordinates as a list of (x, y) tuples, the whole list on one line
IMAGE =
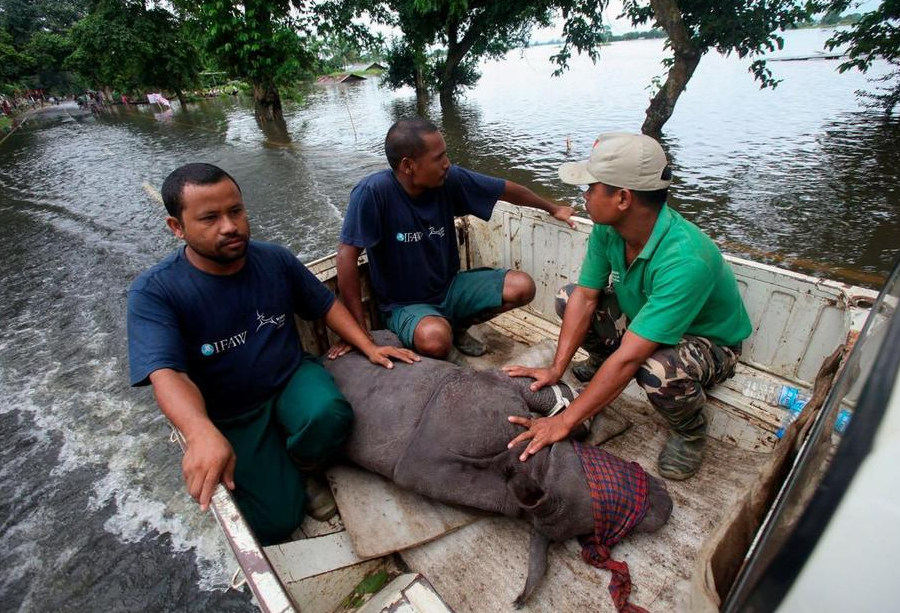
[(381, 518), (319, 572)]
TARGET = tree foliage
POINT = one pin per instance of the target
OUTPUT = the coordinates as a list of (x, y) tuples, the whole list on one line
[(748, 28), (874, 35), (13, 64), (23, 18), (744, 27), (34, 42), (121, 44), (443, 40), (264, 41)]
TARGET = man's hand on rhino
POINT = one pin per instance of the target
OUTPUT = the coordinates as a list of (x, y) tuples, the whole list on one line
[(542, 431), (382, 355), (542, 376), (338, 349)]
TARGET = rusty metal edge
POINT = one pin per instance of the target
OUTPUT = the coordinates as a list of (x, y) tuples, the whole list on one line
[(271, 595)]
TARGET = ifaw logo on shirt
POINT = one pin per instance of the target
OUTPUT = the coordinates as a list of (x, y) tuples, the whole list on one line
[(409, 237), (415, 237), (614, 277), (208, 349)]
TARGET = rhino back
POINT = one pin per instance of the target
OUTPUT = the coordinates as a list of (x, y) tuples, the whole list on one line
[(459, 454), (387, 406)]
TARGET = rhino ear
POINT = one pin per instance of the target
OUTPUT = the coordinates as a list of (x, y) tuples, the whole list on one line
[(529, 495)]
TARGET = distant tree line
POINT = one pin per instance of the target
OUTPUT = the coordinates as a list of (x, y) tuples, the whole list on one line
[(136, 45)]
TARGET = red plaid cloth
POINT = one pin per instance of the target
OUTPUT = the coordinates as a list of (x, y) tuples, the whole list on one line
[(619, 500)]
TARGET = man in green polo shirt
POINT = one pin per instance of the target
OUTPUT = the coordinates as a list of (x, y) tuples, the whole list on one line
[(655, 301)]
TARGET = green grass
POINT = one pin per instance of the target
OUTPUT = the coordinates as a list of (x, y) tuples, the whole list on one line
[(5, 124), (369, 585), (340, 73)]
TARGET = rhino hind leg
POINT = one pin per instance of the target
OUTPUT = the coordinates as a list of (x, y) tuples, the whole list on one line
[(537, 566), (660, 507), (533, 499), (529, 495)]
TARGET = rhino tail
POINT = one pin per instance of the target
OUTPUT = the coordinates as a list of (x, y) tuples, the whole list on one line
[(537, 566)]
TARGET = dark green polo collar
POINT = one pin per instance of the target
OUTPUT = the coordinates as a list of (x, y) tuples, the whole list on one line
[(663, 223)]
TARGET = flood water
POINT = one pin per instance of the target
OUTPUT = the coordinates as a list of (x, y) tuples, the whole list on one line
[(93, 512)]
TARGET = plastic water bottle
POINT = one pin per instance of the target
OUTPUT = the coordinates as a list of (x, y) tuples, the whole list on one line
[(791, 415), (842, 421), (773, 393)]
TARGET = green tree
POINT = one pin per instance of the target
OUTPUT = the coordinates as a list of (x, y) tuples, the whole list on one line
[(49, 52), (23, 18), (443, 40), (35, 43), (169, 61), (875, 34), (335, 50), (694, 27), (13, 64), (267, 42), (123, 45)]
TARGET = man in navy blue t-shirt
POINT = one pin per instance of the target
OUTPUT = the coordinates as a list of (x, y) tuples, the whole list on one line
[(212, 328), (403, 218)]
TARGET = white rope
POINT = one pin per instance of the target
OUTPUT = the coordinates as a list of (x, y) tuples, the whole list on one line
[(561, 401), (235, 583)]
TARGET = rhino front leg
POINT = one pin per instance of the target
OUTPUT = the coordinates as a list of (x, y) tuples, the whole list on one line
[(537, 566), (543, 401)]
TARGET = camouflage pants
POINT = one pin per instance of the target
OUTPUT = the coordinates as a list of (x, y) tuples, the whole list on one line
[(674, 377)]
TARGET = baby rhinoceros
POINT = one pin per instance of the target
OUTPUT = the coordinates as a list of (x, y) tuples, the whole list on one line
[(442, 431)]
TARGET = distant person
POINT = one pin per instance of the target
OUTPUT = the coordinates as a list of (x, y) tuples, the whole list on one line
[(655, 301), (212, 328), (404, 219)]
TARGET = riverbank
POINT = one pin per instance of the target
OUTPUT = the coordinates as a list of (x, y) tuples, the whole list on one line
[(10, 123)]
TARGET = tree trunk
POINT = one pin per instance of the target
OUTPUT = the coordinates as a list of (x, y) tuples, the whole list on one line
[(421, 88), (268, 102), (456, 52), (686, 56), (180, 95), (421, 63), (663, 103)]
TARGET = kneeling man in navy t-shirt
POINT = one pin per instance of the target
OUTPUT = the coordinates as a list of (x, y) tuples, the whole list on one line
[(403, 218), (212, 328)]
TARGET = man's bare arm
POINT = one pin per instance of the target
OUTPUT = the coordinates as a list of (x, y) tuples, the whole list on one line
[(350, 291), (209, 458), (522, 196), (348, 281), (339, 319), (579, 310)]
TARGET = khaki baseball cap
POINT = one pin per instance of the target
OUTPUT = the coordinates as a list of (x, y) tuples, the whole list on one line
[(620, 159)]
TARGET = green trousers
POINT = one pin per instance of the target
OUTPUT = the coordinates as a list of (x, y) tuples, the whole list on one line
[(302, 426)]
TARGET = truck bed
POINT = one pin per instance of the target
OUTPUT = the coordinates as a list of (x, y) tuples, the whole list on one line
[(479, 563)]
